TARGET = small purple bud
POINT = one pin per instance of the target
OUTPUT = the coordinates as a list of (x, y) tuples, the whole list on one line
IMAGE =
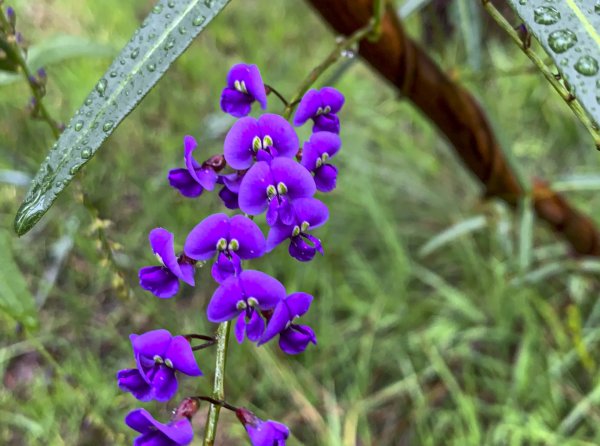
[(42, 74), (33, 81), (12, 17), (19, 38)]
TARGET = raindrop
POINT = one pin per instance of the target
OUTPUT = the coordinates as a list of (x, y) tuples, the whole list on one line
[(168, 16), (113, 74), (562, 40), (151, 67), (139, 91), (108, 125), (86, 153), (101, 87), (88, 101), (348, 54), (170, 44), (522, 2), (151, 37), (73, 170), (597, 7), (546, 15), (88, 114), (122, 61), (586, 65), (78, 126), (157, 9), (171, 4), (135, 53), (182, 30), (208, 3), (199, 20)]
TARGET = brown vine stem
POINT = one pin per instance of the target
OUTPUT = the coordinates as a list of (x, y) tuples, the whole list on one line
[(99, 225), (371, 31), (567, 96)]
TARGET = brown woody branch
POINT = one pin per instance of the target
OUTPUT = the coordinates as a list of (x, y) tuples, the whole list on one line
[(457, 114)]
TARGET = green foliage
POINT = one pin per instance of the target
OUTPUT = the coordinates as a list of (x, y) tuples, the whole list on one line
[(467, 345), (165, 34)]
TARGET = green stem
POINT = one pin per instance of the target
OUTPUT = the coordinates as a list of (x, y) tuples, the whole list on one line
[(372, 30), (569, 99), (218, 392)]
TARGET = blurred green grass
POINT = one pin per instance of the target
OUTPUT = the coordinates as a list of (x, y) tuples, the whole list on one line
[(489, 336)]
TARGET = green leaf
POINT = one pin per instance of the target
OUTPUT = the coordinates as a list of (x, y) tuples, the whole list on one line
[(164, 35), (452, 233), (58, 49), (569, 31), (15, 299)]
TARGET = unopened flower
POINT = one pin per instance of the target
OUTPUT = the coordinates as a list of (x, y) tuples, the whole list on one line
[(244, 86), (158, 356), (192, 180), (233, 239), (308, 214), (243, 296), (153, 433), (322, 107), (316, 152), (262, 433), (293, 338), (163, 281), (261, 139), (274, 187)]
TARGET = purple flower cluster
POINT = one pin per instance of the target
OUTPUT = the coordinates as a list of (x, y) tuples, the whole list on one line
[(262, 169)]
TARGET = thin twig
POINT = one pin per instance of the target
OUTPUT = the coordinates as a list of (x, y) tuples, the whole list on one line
[(279, 95), (564, 93)]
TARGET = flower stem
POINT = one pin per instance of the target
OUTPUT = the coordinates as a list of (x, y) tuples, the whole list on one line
[(371, 30), (564, 93), (218, 393)]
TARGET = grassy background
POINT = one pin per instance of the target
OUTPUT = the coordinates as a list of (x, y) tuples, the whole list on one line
[(484, 334)]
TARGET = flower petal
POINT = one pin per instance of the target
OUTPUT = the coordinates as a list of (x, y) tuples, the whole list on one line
[(151, 343), (182, 356), (130, 380), (224, 268), (253, 190), (281, 132), (326, 178), (181, 180), (159, 281), (256, 86), (307, 108), (187, 273), (277, 234), (298, 180), (327, 122), (237, 148), (164, 383), (264, 288), (298, 304), (255, 327), (235, 102), (229, 198), (161, 242), (332, 98), (240, 327), (278, 322), (300, 250), (251, 240), (201, 242), (139, 420), (222, 306), (296, 339), (318, 144), (312, 211)]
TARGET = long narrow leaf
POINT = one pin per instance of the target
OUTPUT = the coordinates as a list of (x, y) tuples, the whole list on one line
[(569, 31), (163, 37)]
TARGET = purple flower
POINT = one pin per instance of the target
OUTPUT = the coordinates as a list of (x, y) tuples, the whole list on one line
[(274, 187), (158, 356), (263, 433), (163, 281), (232, 238), (264, 138), (176, 433), (293, 338), (243, 296), (316, 151), (309, 213), (192, 180), (244, 86), (320, 106)]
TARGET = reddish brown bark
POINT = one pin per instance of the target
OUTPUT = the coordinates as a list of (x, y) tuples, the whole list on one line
[(456, 113)]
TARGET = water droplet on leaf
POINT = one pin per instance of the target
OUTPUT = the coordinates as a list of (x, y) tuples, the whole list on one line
[(171, 4), (157, 9), (86, 153), (108, 125), (170, 44), (586, 65), (101, 87), (151, 67), (135, 53), (113, 74), (78, 125), (546, 15), (88, 101), (182, 30), (562, 40), (199, 20)]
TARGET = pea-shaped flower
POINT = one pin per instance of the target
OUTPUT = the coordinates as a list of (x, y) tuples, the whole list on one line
[(233, 239), (309, 213), (267, 137), (158, 356), (163, 281), (316, 152), (244, 86), (322, 107), (274, 187), (243, 296), (192, 180), (293, 338), (153, 433), (260, 432)]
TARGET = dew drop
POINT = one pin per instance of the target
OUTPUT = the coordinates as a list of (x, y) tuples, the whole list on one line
[(139, 91), (122, 62), (199, 20), (208, 3), (135, 53), (78, 126), (522, 2), (88, 101), (586, 65), (157, 9), (86, 153), (170, 44), (73, 170), (597, 7), (108, 125), (101, 87), (182, 30), (171, 4), (546, 15), (151, 67), (113, 74), (562, 40)]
